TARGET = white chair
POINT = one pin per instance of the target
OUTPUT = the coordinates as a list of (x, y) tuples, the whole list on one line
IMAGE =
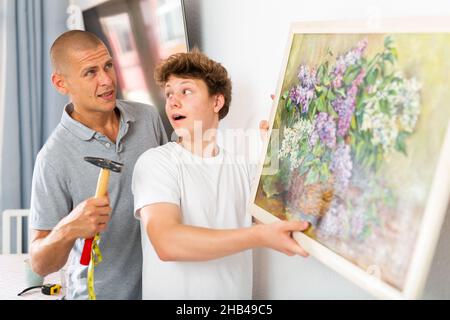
[(7, 216)]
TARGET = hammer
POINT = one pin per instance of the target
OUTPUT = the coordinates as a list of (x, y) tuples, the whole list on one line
[(102, 187)]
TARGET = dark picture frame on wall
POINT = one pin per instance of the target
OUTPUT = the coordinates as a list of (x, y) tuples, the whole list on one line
[(139, 34)]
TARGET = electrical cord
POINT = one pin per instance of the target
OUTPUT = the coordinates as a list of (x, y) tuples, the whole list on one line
[(47, 289)]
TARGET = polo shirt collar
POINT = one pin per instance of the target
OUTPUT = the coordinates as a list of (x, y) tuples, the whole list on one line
[(85, 133), (126, 114)]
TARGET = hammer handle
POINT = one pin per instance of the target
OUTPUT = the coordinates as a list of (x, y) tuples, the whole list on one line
[(102, 188)]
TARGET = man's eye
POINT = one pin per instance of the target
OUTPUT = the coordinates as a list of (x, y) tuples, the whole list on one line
[(109, 66), (90, 73), (168, 95), (187, 91)]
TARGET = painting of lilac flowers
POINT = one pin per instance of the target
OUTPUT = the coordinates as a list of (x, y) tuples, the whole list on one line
[(360, 120)]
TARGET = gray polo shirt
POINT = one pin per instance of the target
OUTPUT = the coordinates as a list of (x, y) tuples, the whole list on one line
[(62, 180)]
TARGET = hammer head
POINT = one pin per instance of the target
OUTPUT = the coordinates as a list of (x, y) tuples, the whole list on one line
[(105, 163)]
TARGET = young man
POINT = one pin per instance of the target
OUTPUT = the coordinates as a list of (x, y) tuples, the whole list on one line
[(191, 196), (63, 210)]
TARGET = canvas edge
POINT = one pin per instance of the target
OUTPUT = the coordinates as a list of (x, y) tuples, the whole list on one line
[(422, 258), (418, 24), (272, 118), (430, 228)]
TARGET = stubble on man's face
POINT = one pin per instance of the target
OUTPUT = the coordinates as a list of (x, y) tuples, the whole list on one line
[(91, 80)]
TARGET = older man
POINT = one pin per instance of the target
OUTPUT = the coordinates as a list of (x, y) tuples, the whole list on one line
[(63, 210)]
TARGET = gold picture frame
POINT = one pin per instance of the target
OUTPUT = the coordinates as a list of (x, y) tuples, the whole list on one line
[(359, 145)]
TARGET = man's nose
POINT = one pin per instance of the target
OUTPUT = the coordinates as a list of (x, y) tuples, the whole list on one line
[(105, 78)]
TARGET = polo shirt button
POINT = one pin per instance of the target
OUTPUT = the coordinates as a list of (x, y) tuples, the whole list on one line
[(108, 145)]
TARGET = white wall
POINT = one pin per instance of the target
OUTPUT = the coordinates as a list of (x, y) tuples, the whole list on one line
[(2, 82), (249, 38)]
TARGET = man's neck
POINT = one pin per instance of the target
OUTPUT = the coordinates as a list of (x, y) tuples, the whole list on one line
[(201, 148), (104, 123)]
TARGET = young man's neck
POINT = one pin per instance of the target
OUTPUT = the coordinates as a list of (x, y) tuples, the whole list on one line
[(104, 123), (200, 147)]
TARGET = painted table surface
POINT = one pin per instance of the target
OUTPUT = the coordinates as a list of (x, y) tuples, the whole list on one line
[(12, 280)]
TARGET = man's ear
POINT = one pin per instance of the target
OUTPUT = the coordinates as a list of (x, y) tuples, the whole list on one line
[(219, 101), (59, 83)]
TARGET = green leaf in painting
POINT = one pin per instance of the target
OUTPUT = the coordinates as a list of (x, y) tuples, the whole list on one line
[(331, 110), (384, 106), (394, 52), (320, 73), (303, 169), (324, 172), (400, 143), (388, 41), (389, 57), (351, 74), (353, 123), (341, 92), (372, 76), (319, 89), (312, 177), (320, 104), (289, 105), (330, 95)]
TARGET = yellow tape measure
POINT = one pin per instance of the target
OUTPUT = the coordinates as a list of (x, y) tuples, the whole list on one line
[(96, 258)]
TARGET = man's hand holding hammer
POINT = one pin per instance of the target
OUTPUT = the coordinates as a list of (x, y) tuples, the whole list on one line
[(86, 220), (90, 217)]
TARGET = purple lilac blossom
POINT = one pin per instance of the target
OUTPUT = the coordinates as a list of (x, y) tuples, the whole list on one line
[(302, 94), (341, 166), (326, 129), (357, 223), (345, 107), (333, 222), (344, 61), (307, 77), (313, 139)]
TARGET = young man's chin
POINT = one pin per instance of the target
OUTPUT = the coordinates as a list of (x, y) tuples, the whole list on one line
[(182, 132)]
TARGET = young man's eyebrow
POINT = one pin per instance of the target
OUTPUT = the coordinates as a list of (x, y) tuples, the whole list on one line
[(187, 82)]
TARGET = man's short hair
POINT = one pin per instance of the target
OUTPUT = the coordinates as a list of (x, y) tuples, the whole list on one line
[(71, 40), (197, 65)]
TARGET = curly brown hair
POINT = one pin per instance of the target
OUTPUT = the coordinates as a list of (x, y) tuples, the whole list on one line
[(196, 65)]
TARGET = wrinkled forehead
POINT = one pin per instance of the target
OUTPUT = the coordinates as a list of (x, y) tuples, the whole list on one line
[(77, 57)]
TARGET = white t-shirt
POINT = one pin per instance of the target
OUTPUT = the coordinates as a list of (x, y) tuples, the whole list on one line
[(212, 193)]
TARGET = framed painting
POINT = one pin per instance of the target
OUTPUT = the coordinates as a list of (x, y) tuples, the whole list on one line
[(359, 146)]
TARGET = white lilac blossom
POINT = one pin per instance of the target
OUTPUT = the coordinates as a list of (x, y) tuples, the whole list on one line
[(409, 104), (383, 127), (402, 100), (299, 133)]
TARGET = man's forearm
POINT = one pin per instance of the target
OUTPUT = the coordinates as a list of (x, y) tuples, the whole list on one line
[(189, 243), (49, 254)]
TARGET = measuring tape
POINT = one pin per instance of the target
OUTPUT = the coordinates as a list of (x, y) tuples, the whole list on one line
[(96, 258)]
